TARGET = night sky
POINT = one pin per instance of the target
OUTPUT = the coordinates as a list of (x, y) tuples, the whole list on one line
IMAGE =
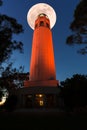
[(68, 61)]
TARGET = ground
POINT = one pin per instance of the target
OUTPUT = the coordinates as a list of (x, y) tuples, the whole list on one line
[(43, 120)]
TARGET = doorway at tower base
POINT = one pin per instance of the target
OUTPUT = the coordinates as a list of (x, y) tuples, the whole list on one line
[(45, 83)]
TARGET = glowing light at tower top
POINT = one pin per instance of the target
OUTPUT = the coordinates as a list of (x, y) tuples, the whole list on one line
[(41, 8)]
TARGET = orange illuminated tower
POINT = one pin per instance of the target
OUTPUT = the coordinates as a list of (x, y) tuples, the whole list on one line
[(42, 89), (41, 18)]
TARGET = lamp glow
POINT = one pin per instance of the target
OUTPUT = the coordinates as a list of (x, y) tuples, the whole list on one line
[(3, 101)]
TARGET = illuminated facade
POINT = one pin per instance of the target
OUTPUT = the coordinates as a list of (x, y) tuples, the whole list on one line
[(42, 64), (42, 88)]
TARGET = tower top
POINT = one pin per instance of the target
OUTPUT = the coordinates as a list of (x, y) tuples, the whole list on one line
[(41, 8)]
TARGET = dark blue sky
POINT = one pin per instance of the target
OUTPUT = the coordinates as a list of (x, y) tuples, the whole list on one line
[(68, 61)]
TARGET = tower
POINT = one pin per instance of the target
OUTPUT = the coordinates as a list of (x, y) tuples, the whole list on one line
[(41, 18), (41, 90)]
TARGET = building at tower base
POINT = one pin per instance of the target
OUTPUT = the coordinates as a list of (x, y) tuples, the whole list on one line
[(38, 97), (42, 89)]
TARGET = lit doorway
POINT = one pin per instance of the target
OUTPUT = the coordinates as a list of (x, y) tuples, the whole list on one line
[(39, 100)]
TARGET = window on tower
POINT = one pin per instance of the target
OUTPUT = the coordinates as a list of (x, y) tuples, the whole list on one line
[(47, 25), (41, 23)]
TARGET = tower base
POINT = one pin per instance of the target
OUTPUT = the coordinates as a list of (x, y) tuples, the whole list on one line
[(45, 83), (37, 97)]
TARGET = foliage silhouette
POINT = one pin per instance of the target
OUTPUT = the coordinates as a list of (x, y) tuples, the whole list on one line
[(79, 27), (8, 27), (12, 78), (1, 2), (74, 91), (11, 103)]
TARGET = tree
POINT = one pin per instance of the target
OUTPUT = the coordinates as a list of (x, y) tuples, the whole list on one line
[(1, 2), (10, 80), (8, 27), (74, 91), (13, 78), (11, 103), (79, 27)]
